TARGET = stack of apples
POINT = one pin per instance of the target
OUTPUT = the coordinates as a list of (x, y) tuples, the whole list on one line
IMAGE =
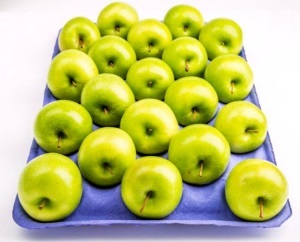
[(150, 105)]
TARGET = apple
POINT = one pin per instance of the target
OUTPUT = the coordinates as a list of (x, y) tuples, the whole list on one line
[(184, 20), (192, 99), (200, 152), (78, 33), (221, 36), (50, 187), (256, 190), (112, 54), (152, 187), (186, 56), (106, 97), (105, 154), (116, 19), (68, 73), (61, 126), (149, 37), (151, 124), (149, 78), (243, 124), (231, 76)]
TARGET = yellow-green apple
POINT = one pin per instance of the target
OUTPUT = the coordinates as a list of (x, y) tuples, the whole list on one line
[(149, 37), (106, 97), (186, 56), (149, 78), (50, 187), (78, 33), (105, 154), (200, 152), (231, 76), (151, 124), (184, 20), (61, 126), (116, 19), (256, 190), (112, 54), (68, 72), (243, 124), (152, 187), (192, 99), (221, 36)]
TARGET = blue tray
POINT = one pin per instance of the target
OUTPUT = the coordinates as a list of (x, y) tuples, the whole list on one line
[(200, 205)]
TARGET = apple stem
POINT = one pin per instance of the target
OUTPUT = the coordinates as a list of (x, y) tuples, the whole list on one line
[(149, 131), (74, 84), (80, 43), (149, 48), (194, 113), (261, 207), (43, 203), (111, 64), (150, 83), (59, 142), (146, 200), (252, 131), (187, 66), (232, 87), (185, 28), (108, 168), (117, 28), (201, 168)]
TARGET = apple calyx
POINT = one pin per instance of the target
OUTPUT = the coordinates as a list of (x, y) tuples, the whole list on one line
[(43, 203), (261, 207), (187, 68), (149, 131), (149, 194)]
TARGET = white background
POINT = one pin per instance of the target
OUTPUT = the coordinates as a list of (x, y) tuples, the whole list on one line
[(28, 29)]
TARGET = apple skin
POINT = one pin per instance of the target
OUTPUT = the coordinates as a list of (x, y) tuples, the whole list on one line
[(200, 152), (184, 20), (253, 183), (243, 124), (186, 56), (106, 97), (221, 36), (50, 187), (68, 73), (149, 78), (151, 124), (231, 76), (116, 19), (61, 126), (112, 54), (149, 37), (78, 33), (192, 99), (105, 154), (157, 178)]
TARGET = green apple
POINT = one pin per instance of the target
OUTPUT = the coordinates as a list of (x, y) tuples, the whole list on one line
[(61, 126), (149, 78), (192, 99), (68, 73), (113, 54), (152, 187), (221, 36), (200, 152), (106, 97), (186, 56), (243, 124), (149, 37), (231, 76), (105, 154), (256, 190), (78, 33), (184, 20), (151, 124), (116, 19), (50, 187)]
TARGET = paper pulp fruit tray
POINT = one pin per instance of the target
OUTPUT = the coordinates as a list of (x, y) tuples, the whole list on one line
[(200, 205)]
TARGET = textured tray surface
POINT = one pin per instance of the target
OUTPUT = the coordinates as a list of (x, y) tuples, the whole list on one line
[(200, 205)]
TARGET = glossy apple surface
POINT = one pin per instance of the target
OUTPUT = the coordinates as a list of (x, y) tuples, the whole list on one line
[(192, 99), (200, 152), (151, 124), (243, 124), (152, 187), (256, 190), (61, 126), (50, 187)]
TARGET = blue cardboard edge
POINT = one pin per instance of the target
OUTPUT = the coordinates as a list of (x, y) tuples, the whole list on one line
[(189, 211)]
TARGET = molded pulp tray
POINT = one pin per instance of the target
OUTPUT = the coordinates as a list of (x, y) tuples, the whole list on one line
[(200, 205)]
